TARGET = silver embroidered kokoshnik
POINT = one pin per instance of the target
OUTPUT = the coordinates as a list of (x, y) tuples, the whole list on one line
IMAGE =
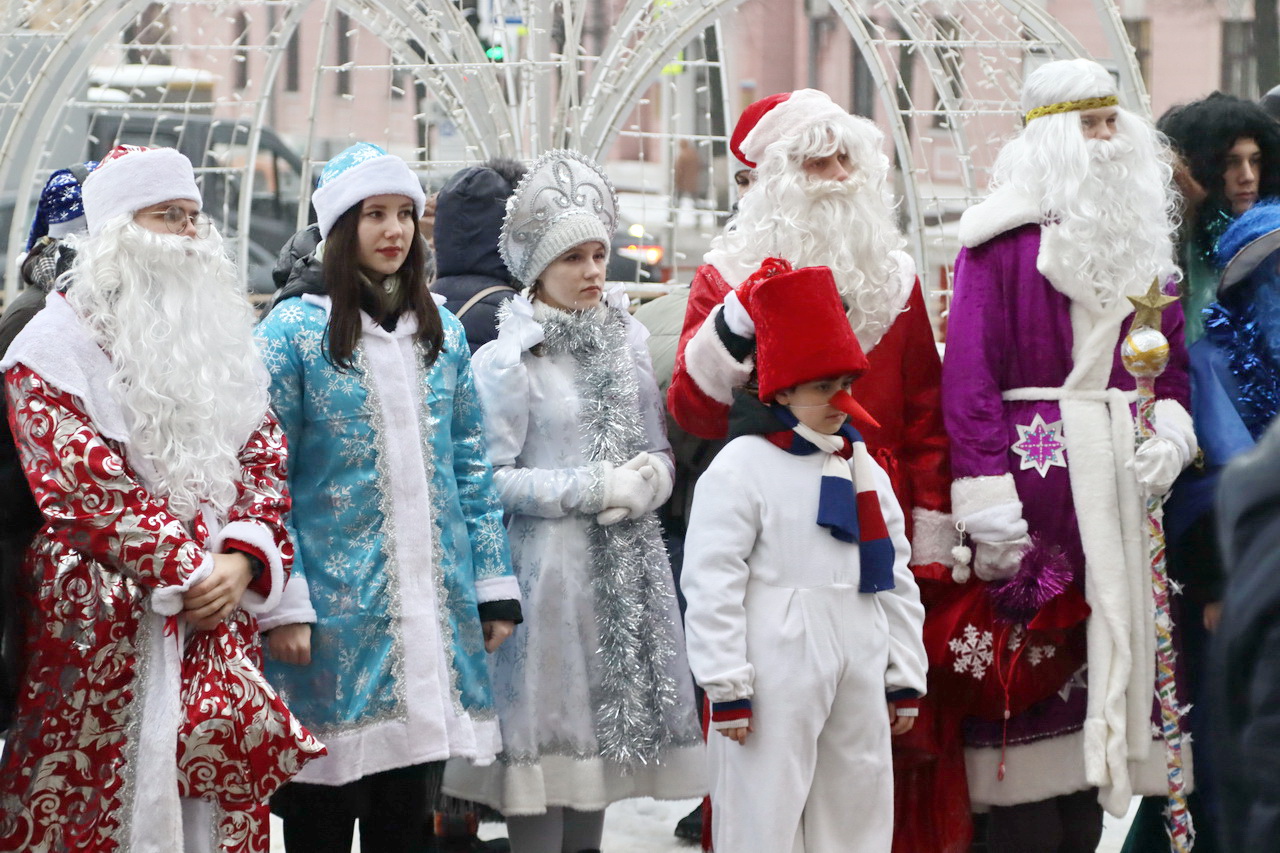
[(634, 719)]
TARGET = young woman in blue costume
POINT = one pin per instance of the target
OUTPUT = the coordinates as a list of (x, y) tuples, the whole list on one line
[(594, 692), (403, 580)]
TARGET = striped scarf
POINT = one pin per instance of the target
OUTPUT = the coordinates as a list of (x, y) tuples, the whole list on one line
[(848, 514)]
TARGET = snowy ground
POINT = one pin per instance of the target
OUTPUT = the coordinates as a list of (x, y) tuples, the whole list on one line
[(646, 826)]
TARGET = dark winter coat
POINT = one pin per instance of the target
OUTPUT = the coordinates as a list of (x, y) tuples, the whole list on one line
[(19, 517), (297, 271), (469, 213), (1246, 651)]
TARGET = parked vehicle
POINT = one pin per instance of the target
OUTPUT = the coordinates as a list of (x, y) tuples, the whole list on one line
[(634, 255), (219, 149)]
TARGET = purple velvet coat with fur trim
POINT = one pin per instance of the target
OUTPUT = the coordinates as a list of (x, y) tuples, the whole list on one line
[(1008, 328)]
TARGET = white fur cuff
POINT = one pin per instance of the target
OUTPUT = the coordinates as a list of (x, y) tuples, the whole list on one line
[(256, 535), (505, 588), (710, 365), (933, 535), (294, 608), (736, 316), (969, 495)]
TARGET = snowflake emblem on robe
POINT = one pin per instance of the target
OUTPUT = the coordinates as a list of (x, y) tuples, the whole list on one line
[(1040, 446), (973, 653)]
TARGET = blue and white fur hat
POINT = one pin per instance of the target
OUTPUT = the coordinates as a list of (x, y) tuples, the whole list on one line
[(361, 171), (564, 200), (60, 210)]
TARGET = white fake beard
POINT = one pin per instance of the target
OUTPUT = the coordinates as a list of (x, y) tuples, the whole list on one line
[(171, 314), (1112, 233), (843, 225)]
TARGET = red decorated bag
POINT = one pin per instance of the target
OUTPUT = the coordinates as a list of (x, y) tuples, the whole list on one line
[(238, 742), (987, 664)]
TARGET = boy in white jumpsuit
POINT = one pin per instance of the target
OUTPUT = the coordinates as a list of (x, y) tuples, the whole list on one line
[(804, 620)]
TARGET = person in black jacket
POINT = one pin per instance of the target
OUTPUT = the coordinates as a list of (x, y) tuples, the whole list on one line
[(469, 268), (1246, 651), (59, 213)]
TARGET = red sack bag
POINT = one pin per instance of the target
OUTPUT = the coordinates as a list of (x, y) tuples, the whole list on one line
[(238, 741), (988, 664)]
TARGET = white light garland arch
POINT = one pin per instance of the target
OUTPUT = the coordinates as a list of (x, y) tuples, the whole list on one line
[(598, 75)]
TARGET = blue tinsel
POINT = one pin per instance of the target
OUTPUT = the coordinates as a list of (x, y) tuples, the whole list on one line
[(1240, 333)]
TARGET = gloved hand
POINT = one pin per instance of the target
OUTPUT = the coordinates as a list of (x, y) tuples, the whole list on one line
[(628, 490), (999, 523), (736, 316), (659, 476), (1157, 463), (999, 536), (999, 561)]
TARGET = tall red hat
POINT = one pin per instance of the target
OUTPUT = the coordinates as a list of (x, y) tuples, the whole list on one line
[(802, 333)]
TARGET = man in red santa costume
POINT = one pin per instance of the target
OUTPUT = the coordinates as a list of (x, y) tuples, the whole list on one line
[(139, 407), (821, 199), (1048, 485)]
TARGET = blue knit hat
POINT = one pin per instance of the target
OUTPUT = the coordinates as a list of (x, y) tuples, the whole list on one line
[(359, 172), (1248, 242), (60, 210)]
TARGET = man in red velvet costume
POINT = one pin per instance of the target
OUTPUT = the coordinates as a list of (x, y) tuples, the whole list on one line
[(821, 200)]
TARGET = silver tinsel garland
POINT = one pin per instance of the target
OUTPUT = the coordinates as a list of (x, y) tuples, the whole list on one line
[(635, 717)]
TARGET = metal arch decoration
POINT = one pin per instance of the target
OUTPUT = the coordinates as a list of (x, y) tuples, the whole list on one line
[(565, 98)]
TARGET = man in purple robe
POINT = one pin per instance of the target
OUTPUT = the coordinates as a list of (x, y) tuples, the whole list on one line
[(1048, 486)]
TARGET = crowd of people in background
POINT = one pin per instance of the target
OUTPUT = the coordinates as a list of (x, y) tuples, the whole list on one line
[(451, 535)]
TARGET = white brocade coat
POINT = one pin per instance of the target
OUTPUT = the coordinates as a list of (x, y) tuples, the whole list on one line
[(548, 677)]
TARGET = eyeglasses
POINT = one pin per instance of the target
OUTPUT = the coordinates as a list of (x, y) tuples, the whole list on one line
[(177, 219)]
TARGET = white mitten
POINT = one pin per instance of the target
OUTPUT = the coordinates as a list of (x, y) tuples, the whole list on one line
[(659, 476), (999, 561), (999, 523), (736, 316), (1157, 463), (627, 488)]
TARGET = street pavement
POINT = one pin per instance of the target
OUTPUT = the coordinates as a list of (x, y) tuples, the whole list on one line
[(645, 826)]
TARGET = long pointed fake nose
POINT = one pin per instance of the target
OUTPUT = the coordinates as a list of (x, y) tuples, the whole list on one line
[(844, 401)]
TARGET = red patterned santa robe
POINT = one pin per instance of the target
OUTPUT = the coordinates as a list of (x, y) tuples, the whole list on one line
[(91, 763)]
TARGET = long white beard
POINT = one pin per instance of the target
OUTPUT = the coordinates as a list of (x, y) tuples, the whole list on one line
[(844, 225), (1112, 232), (170, 313)]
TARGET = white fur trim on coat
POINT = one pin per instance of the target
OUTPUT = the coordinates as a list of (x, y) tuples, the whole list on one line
[(710, 365), (974, 494), (294, 607), (933, 535), (257, 534), (999, 212), (1050, 768), (155, 819), (497, 589)]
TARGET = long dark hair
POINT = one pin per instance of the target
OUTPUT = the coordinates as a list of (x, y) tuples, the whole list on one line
[(350, 292), (1204, 131)]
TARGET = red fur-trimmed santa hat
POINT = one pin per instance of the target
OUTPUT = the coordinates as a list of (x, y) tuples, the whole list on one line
[(768, 119), (802, 333)]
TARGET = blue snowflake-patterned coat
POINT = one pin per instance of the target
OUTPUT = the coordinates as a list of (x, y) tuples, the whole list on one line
[(399, 538)]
